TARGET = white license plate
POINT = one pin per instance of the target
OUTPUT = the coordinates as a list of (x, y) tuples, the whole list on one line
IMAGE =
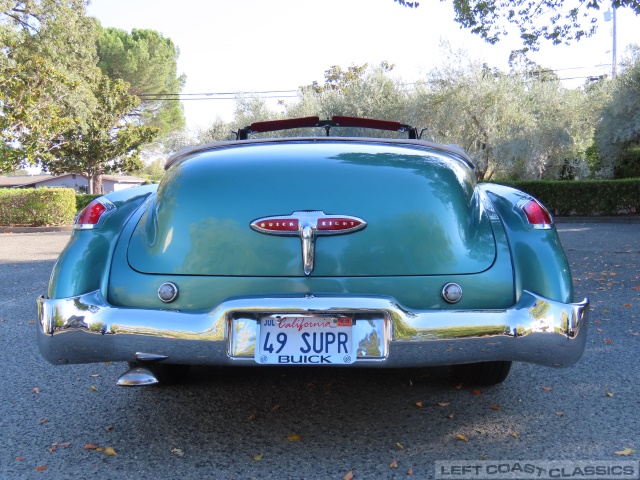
[(306, 340)]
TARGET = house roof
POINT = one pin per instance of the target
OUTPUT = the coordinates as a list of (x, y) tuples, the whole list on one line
[(21, 180)]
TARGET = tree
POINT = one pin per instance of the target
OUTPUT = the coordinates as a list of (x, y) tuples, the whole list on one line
[(619, 126), (148, 62), (108, 143), (558, 21), (32, 116), (519, 124), (46, 66)]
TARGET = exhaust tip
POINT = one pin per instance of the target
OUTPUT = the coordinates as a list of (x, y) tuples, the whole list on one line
[(137, 377)]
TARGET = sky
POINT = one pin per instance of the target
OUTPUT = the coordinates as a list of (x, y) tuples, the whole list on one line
[(280, 45)]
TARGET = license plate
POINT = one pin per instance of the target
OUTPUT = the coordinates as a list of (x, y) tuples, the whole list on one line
[(306, 340)]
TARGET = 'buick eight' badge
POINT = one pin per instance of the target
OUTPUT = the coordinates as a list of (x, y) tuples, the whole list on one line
[(307, 225)]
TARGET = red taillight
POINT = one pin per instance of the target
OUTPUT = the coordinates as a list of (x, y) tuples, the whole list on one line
[(91, 215), (537, 215)]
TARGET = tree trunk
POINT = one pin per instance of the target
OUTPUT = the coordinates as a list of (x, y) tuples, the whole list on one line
[(97, 184)]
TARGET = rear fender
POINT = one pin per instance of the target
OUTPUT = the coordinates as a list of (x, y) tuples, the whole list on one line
[(539, 262), (84, 263)]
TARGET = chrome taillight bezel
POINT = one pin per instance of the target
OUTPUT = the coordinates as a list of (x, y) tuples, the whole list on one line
[(108, 208), (535, 214)]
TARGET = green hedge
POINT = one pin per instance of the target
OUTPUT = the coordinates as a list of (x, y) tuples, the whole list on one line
[(585, 197), (37, 207), (84, 199)]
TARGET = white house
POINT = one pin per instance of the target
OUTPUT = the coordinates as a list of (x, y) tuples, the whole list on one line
[(80, 183)]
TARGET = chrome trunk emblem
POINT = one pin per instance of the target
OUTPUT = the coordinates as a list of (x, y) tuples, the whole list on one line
[(308, 225)]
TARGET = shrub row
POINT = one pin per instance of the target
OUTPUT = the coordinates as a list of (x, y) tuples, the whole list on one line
[(585, 197), (36, 207)]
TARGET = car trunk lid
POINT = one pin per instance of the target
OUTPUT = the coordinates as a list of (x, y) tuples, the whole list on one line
[(422, 212)]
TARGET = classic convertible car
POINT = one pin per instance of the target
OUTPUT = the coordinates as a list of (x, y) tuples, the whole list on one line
[(323, 250)]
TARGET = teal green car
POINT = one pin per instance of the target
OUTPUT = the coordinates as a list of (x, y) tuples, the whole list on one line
[(326, 251)]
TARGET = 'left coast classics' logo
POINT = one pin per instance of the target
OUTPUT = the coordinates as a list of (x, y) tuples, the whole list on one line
[(308, 225)]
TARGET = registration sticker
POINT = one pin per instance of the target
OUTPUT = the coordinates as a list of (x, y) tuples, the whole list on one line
[(305, 340)]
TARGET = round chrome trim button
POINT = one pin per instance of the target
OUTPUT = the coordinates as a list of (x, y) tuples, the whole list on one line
[(452, 293), (168, 292)]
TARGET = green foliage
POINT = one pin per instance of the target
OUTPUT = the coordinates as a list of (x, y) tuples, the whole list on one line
[(619, 126), (519, 125), (84, 199), (36, 207), (557, 21), (32, 117), (48, 61), (585, 197), (108, 144), (147, 61), (628, 164)]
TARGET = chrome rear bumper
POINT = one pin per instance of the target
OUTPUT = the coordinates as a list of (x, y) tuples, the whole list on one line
[(86, 329)]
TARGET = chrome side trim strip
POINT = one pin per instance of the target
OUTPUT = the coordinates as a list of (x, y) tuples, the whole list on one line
[(87, 329)]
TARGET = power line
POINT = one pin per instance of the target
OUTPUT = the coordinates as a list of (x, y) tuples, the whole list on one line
[(288, 93), (213, 93)]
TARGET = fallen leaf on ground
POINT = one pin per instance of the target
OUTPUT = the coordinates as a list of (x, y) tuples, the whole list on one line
[(348, 476), (399, 445), (410, 471), (560, 414), (444, 404), (626, 305), (36, 390), (477, 392), (599, 330), (53, 448), (514, 435), (178, 452), (19, 459), (626, 452), (462, 437), (108, 428), (90, 446), (607, 341), (636, 287), (294, 438), (393, 464), (495, 407), (95, 375), (419, 404), (41, 468), (43, 421), (275, 408), (252, 417), (93, 388), (606, 311), (258, 457), (608, 394), (451, 415), (547, 389), (65, 444), (110, 452)]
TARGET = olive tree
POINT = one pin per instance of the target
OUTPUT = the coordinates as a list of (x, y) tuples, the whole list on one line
[(619, 126)]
